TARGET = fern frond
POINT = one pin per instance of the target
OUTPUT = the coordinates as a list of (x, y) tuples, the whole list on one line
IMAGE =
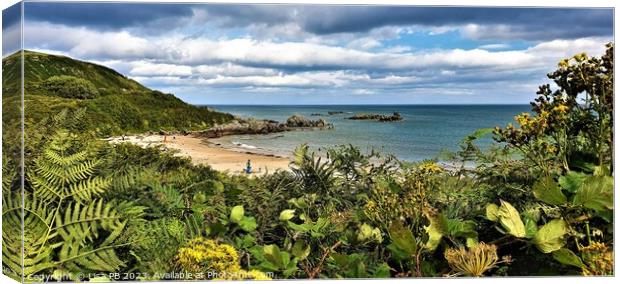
[(60, 175), (55, 158), (82, 222), (78, 258), (84, 190), (53, 183), (37, 253)]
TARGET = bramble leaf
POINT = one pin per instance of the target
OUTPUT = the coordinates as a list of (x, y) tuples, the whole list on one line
[(548, 191), (511, 221), (550, 237)]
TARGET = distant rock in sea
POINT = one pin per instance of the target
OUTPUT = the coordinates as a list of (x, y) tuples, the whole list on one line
[(335, 112), (301, 121), (379, 117)]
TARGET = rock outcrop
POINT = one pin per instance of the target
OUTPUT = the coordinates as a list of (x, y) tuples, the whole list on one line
[(252, 126), (301, 121), (379, 117)]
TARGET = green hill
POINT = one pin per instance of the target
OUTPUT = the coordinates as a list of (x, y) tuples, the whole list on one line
[(114, 103)]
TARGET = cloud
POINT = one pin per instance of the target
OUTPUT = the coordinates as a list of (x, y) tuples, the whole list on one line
[(495, 46), (535, 24), (175, 60), (529, 23), (11, 29), (106, 16), (313, 50), (86, 43), (363, 92), (248, 52)]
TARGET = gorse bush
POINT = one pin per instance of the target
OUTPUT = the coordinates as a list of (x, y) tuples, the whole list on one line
[(538, 202)]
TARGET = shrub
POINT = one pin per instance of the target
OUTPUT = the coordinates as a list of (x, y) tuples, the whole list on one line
[(70, 87), (203, 256)]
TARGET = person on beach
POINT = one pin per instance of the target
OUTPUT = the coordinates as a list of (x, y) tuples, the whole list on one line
[(248, 167)]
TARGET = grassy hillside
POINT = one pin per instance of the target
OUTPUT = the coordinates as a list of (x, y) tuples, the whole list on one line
[(115, 104)]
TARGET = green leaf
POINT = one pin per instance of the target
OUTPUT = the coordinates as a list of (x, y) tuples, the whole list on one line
[(471, 242), (403, 238), (397, 253), (491, 212), (236, 214), (511, 221), (300, 250), (530, 228), (287, 214), (272, 255), (248, 224), (597, 193), (459, 228), (299, 227), (382, 271), (435, 233), (548, 191), (572, 181), (550, 237), (567, 257)]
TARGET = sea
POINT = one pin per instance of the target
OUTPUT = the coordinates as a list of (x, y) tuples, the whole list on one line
[(425, 132)]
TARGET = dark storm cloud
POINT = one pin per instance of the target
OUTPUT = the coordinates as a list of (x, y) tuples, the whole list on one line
[(11, 35), (519, 23), (104, 15), (526, 23), (362, 18), (11, 15)]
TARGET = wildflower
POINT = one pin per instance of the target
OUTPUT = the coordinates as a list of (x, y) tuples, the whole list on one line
[(430, 167), (562, 108), (598, 259), (202, 255)]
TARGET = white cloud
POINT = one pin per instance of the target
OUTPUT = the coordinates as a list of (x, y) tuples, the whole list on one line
[(229, 69), (364, 43), (11, 39), (494, 46), (363, 92), (143, 68), (250, 52), (266, 65), (82, 42)]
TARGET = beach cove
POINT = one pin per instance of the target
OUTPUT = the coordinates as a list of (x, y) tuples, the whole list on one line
[(202, 151)]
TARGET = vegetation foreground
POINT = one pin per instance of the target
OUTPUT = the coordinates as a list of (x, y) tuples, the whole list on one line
[(540, 202)]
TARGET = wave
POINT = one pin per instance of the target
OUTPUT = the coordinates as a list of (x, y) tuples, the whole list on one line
[(246, 146)]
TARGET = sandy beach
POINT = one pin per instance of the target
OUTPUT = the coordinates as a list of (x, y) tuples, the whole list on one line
[(202, 151)]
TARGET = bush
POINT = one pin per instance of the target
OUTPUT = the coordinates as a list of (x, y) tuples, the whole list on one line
[(70, 87)]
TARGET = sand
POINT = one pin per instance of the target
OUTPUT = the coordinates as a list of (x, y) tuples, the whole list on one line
[(201, 151)]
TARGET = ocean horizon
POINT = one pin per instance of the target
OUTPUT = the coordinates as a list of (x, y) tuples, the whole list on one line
[(424, 133)]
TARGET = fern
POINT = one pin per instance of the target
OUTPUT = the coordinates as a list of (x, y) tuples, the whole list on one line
[(37, 251), (66, 225), (82, 223), (60, 173)]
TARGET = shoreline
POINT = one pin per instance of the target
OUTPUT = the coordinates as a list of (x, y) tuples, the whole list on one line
[(201, 151), (224, 157)]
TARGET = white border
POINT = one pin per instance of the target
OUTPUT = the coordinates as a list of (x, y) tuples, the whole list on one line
[(506, 3)]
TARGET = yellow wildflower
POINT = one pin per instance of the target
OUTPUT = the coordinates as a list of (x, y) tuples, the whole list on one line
[(598, 259), (202, 257)]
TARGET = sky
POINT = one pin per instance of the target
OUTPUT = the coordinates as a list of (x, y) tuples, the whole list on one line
[(318, 54)]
